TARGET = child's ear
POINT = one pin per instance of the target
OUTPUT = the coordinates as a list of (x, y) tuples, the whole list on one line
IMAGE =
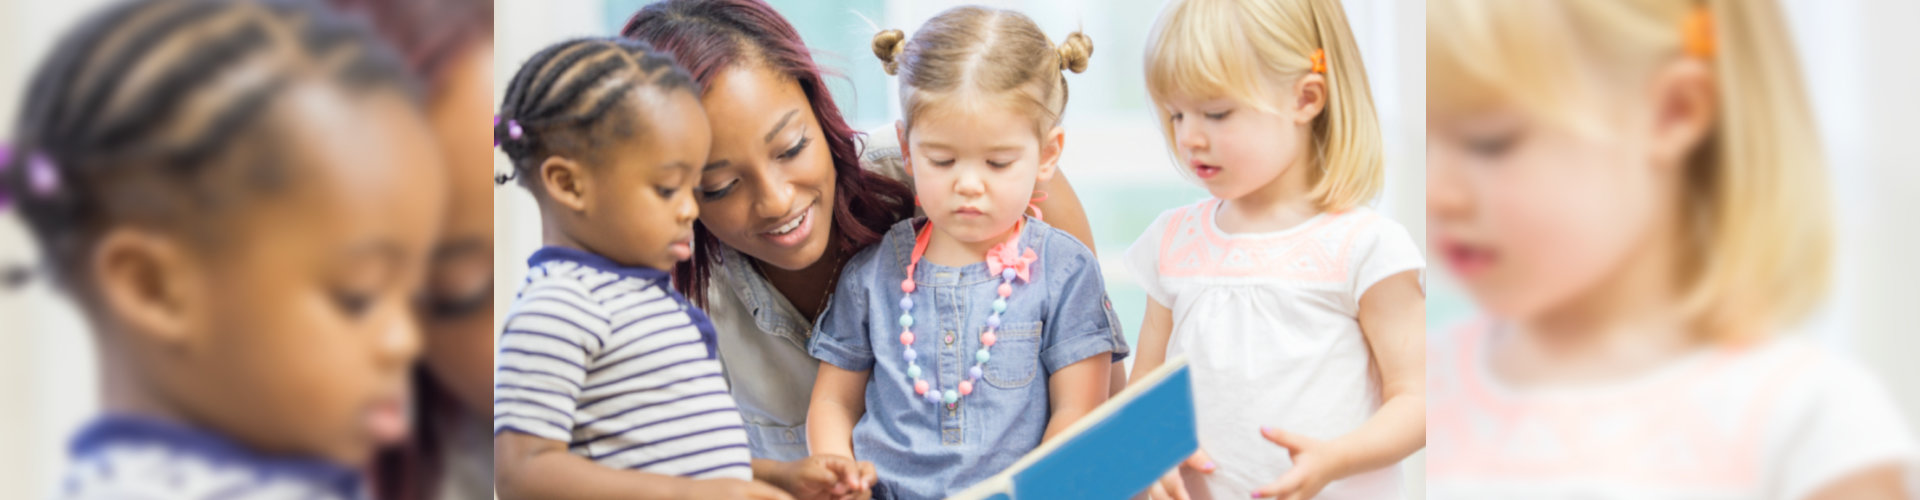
[(1310, 97), (1051, 147), (906, 157), (1685, 110), (565, 181), (150, 284)]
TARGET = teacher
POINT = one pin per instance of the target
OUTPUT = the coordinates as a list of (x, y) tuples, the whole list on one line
[(785, 199)]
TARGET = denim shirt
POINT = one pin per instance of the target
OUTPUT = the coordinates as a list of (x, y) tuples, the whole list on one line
[(928, 450), (763, 338), (763, 352)]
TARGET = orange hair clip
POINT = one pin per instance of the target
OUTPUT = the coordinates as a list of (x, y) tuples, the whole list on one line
[(1320, 61), (1697, 33)]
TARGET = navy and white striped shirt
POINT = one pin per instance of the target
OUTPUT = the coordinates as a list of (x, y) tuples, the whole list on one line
[(125, 456), (613, 362)]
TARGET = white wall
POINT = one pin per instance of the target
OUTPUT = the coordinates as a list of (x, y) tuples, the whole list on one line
[(47, 377)]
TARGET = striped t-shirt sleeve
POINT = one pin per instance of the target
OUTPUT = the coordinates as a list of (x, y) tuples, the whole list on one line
[(548, 341)]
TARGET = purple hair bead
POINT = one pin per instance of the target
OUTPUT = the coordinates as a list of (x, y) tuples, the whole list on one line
[(42, 177), (6, 154)]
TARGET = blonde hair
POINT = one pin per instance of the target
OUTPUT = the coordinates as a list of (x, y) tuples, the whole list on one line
[(977, 52), (1245, 50), (1756, 198)]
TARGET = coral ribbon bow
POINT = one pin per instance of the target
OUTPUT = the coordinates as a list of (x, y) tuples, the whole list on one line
[(1007, 256)]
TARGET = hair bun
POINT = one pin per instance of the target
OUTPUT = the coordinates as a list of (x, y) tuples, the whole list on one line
[(1074, 52), (887, 45)]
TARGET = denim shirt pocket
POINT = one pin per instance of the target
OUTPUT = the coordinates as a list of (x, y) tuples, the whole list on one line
[(1015, 356), (777, 442)]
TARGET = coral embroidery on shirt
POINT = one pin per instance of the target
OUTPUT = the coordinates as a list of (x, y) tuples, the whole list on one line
[(1661, 435), (1318, 252)]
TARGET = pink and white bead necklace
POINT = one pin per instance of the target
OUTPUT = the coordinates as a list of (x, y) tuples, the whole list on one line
[(1005, 260)]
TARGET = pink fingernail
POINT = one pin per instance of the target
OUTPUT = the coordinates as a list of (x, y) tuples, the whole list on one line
[(1208, 466)]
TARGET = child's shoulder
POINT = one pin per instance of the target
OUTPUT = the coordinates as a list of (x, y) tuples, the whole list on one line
[(1366, 220), (115, 456), (1050, 240), (1796, 363), (581, 281)]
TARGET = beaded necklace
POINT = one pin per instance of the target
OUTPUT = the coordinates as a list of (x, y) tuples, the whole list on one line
[(1005, 260)]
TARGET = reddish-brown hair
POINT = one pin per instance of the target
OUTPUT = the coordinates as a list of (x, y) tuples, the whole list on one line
[(710, 36)]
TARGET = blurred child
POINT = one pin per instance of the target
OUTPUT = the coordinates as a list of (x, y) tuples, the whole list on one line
[(607, 385), (240, 197), (961, 341), (1632, 192), (1299, 309)]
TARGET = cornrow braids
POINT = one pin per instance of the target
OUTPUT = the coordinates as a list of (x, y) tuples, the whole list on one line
[(142, 102), (558, 104)]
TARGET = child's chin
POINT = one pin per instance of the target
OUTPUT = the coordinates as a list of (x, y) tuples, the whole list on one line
[(975, 228), (1221, 188)]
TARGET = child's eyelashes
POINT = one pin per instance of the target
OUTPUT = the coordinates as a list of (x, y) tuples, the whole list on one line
[(1177, 116), (369, 272), (665, 192), (1492, 146), (354, 304), (943, 163)]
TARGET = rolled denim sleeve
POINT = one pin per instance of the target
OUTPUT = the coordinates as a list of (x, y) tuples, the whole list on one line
[(1081, 321)]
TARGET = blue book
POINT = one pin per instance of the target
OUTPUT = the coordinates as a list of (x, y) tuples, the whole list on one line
[(1116, 451)]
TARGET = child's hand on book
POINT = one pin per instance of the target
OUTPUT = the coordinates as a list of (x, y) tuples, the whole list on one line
[(1314, 465), (826, 477), (1171, 486), (734, 489)]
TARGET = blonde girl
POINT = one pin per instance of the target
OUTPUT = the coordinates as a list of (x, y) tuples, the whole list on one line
[(1633, 194), (964, 338), (1299, 308)]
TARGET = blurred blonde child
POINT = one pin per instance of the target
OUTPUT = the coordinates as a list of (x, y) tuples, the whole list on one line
[(1632, 192)]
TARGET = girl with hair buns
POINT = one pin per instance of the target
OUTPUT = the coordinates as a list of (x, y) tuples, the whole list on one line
[(964, 338)]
